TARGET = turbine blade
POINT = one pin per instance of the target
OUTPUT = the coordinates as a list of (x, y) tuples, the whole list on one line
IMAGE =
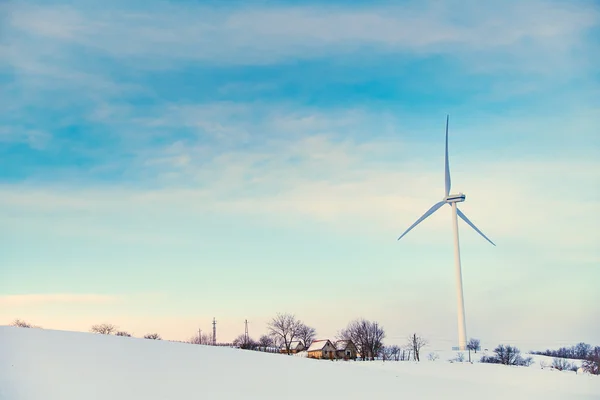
[(447, 162), (464, 217), (427, 214)]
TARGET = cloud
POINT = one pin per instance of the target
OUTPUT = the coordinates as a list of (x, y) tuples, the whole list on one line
[(35, 139), (162, 153), (335, 185), (253, 34), (345, 168)]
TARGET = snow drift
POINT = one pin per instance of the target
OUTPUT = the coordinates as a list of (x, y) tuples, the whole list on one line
[(56, 365)]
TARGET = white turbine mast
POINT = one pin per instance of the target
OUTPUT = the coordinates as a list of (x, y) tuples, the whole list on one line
[(452, 200)]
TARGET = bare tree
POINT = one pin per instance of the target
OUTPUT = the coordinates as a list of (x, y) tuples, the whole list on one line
[(245, 342), (385, 353), (389, 352), (592, 363), (265, 341), (582, 350), (153, 336), (367, 336), (406, 352), (123, 333), (204, 339), (433, 356), (240, 341), (474, 344), (416, 343), (285, 328), (395, 352), (103, 329), (306, 334), (207, 338), (507, 355)]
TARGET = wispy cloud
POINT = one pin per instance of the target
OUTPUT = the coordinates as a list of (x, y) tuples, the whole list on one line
[(334, 185), (150, 144), (258, 35)]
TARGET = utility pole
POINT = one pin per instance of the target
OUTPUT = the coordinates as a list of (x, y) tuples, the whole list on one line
[(199, 336), (373, 356), (246, 332), (214, 338)]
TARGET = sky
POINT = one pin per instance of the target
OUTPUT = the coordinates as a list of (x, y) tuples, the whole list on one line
[(164, 163)]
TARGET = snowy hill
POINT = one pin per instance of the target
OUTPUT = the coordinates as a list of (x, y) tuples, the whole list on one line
[(55, 365)]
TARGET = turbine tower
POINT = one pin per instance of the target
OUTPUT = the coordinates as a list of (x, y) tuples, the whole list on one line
[(452, 200)]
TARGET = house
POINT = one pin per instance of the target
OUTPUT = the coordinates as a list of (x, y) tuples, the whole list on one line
[(345, 350), (322, 349), (295, 347)]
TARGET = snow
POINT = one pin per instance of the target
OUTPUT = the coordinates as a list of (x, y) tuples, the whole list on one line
[(318, 345), (341, 344), (55, 365), (295, 345)]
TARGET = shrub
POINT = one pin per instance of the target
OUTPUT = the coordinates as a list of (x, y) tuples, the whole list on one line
[(103, 329), (562, 364), (21, 324), (507, 355), (153, 336), (592, 363)]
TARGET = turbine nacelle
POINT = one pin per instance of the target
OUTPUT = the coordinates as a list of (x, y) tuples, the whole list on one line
[(455, 198)]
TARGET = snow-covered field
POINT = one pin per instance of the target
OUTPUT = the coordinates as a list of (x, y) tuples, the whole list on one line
[(56, 365)]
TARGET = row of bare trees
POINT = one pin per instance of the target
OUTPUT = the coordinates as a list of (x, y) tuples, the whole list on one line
[(264, 343), (412, 349), (580, 351), (366, 335), (102, 329), (590, 364), (109, 329), (201, 339)]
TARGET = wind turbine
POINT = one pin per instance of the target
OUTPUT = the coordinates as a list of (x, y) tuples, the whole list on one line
[(452, 200)]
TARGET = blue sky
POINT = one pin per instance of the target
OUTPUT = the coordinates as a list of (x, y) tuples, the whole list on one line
[(162, 163)]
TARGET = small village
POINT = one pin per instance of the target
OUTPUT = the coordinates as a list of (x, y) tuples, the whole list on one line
[(324, 349)]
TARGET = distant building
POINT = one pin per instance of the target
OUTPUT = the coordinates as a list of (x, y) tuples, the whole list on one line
[(295, 347), (345, 350), (322, 349)]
